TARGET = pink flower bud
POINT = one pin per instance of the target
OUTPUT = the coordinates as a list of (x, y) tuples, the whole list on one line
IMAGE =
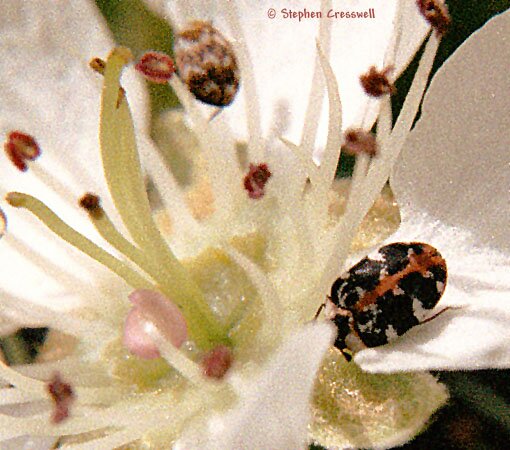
[(152, 309)]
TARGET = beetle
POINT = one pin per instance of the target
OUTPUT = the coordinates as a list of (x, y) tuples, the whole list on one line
[(386, 294), (207, 64)]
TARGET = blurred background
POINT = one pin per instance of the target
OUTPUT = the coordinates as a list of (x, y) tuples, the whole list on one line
[(478, 413)]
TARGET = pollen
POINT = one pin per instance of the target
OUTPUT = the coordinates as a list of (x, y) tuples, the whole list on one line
[(156, 67), (358, 141), (376, 83), (62, 395), (436, 14), (20, 148), (256, 179)]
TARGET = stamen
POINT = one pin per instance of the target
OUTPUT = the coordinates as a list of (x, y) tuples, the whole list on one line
[(272, 305), (331, 154), (21, 147), (358, 141), (212, 144), (70, 235), (436, 13), (91, 203), (207, 64), (217, 362), (62, 395), (152, 309), (97, 65), (376, 83), (315, 98), (307, 163), (156, 67), (256, 179), (3, 223), (103, 224), (254, 123)]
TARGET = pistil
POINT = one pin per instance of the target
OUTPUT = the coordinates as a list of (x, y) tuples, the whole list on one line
[(125, 181)]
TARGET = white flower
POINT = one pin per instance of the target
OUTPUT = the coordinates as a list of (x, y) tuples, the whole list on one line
[(249, 275)]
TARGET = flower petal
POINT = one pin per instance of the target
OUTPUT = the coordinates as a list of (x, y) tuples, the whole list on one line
[(283, 53), (452, 186), (273, 410)]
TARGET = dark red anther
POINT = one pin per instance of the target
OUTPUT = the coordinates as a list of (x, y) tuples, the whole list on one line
[(62, 395), (376, 83), (435, 13), (156, 67), (256, 179), (217, 362), (359, 141), (21, 147)]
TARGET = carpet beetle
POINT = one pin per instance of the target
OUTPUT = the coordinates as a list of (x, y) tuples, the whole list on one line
[(386, 294), (206, 63)]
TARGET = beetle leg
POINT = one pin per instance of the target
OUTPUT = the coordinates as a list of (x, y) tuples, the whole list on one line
[(319, 311), (428, 319)]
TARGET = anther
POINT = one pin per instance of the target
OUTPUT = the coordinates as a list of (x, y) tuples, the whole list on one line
[(217, 362), (97, 65), (376, 83), (21, 147), (207, 64), (62, 395), (256, 179), (156, 67), (3, 223), (14, 199), (436, 14), (92, 204), (358, 141)]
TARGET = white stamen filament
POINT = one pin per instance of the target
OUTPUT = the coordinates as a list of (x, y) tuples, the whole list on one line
[(315, 99), (222, 170), (331, 154), (107, 230), (176, 358), (61, 229), (272, 305), (255, 144)]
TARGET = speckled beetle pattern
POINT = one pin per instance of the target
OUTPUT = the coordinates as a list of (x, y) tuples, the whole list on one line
[(207, 64), (386, 294)]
